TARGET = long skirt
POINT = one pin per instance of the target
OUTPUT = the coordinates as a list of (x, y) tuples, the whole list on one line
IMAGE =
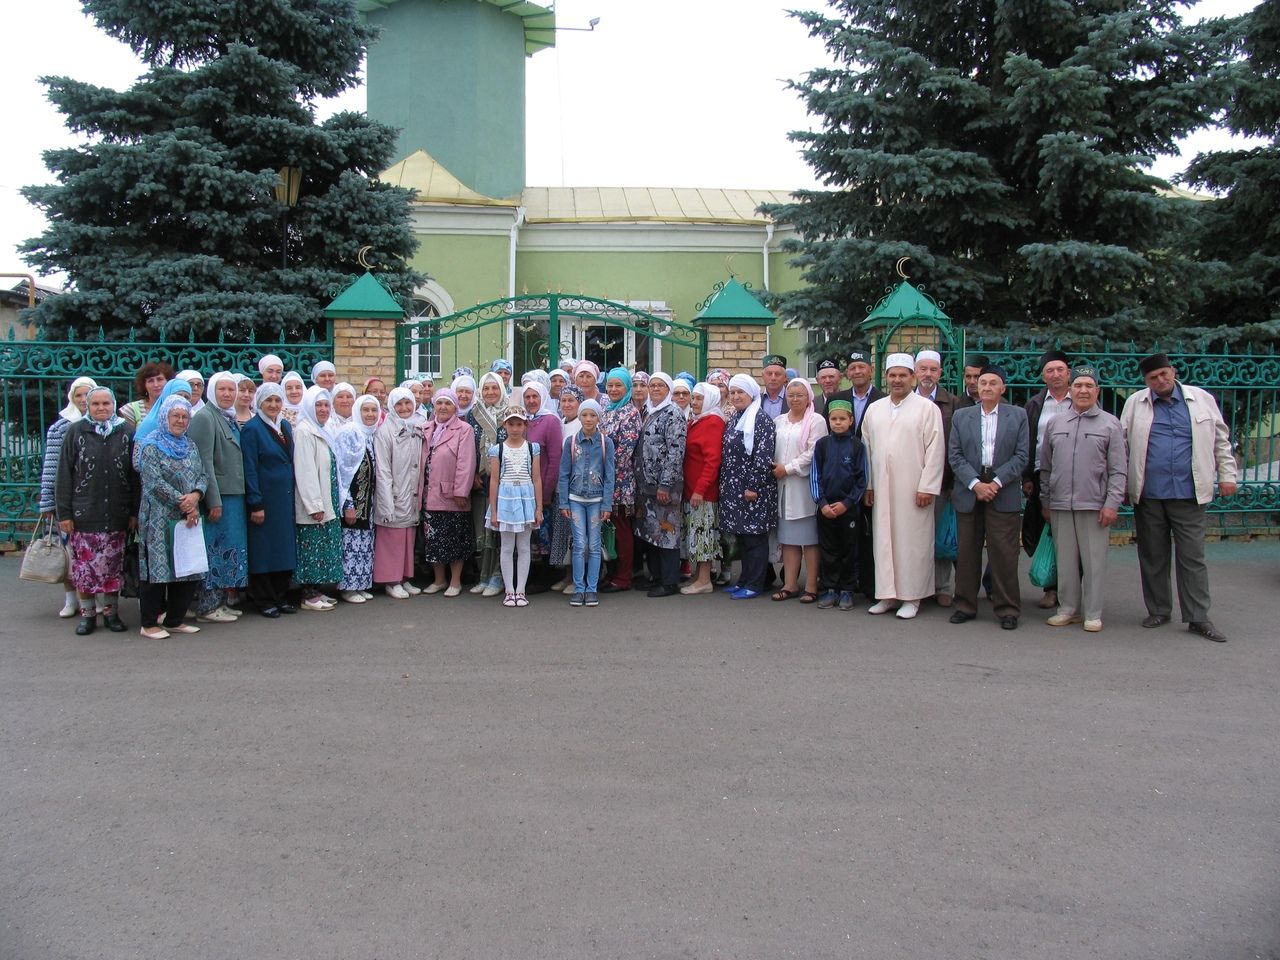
[(447, 534), (357, 559), (227, 543), (97, 562), (702, 532), (319, 552), (561, 538), (393, 554)]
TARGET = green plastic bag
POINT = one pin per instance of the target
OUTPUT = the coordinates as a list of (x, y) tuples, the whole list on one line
[(1044, 562), (608, 540), (946, 540)]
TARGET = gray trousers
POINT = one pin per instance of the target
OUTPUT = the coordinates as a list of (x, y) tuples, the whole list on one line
[(1080, 543), (1166, 528)]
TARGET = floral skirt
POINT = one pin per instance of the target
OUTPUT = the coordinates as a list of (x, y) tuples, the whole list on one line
[(658, 523), (702, 532), (319, 548), (448, 536), (97, 562), (227, 543), (357, 559)]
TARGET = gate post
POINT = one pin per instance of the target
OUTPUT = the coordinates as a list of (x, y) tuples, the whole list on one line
[(736, 327), (366, 319), (553, 331)]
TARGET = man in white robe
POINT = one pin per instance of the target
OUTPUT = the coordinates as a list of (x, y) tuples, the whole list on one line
[(902, 434)]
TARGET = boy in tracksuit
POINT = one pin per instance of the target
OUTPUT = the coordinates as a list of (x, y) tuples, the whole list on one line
[(838, 478)]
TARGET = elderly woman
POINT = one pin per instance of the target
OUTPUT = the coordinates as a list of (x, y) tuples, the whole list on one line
[(147, 386), (681, 391), (702, 451), (294, 390), (796, 433), (449, 456), (621, 424), (245, 391), (718, 377), (344, 400), (97, 503), (585, 377), (324, 375), (266, 443), (317, 533), (487, 415), (748, 488), (271, 368), (173, 482), (195, 380), (216, 434), (77, 404), (640, 391), (152, 422), (353, 448), (659, 466), (377, 387), (397, 456), (544, 430)]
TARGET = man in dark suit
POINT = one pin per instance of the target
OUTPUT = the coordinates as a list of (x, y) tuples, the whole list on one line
[(987, 453), (861, 394), (928, 373)]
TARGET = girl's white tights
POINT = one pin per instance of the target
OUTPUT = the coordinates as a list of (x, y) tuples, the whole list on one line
[(514, 581)]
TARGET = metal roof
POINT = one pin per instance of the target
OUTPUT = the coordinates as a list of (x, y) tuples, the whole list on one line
[(539, 22)]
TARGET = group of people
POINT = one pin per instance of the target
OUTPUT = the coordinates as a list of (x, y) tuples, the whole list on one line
[(311, 494)]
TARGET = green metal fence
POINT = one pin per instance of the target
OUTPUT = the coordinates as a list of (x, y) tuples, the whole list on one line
[(1246, 385), (35, 375)]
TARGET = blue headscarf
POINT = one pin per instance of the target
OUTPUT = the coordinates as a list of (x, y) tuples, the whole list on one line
[(171, 444), (152, 420), (624, 375), (688, 378)]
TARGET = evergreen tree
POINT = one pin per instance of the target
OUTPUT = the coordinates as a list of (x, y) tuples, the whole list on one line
[(1001, 146), (1241, 231), (167, 217)]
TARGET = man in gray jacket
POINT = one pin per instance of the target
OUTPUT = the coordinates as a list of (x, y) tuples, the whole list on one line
[(1178, 446), (1083, 460)]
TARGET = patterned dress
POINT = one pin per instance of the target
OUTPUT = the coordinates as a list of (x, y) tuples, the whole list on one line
[(357, 539), (741, 471), (659, 464), (622, 426), (165, 481), (319, 545)]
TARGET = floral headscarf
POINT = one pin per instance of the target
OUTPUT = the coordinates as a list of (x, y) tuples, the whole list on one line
[(151, 422), (175, 445)]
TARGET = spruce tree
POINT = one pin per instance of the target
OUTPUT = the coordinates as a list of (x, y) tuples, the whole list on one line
[(166, 216), (1003, 147)]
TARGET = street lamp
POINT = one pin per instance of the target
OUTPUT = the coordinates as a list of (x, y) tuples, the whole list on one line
[(288, 183)]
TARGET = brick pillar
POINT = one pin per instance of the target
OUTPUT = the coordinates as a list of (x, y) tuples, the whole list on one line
[(737, 348), (365, 348)]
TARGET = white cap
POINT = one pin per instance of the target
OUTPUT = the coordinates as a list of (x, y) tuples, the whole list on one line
[(900, 360), (933, 355)]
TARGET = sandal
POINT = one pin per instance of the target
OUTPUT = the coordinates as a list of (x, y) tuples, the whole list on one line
[(509, 600), (521, 600), (784, 595), (808, 597)]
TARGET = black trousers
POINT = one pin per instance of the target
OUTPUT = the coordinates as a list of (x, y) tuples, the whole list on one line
[(664, 564), (168, 599), (270, 589), (866, 554), (754, 554), (838, 550)]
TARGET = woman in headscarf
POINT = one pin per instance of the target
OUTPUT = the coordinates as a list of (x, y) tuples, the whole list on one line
[(266, 443), (324, 374), (377, 387), (702, 452), (659, 460), (77, 404), (796, 434), (448, 477), (151, 422), (97, 503), (748, 489), (621, 424), (147, 386), (397, 457), (173, 482), (318, 534), (295, 388), (640, 391), (585, 376), (216, 434), (271, 368), (487, 414), (353, 449), (544, 430), (718, 377), (344, 400), (680, 393), (421, 411), (245, 391), (196, 381)]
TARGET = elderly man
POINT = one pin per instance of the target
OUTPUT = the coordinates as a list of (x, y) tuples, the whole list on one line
[(928, 373), (902, 434), (773, 398), (1082, 473), (271, 368), (988, 452), (828, 385), (1055, 398), (1178, 446)]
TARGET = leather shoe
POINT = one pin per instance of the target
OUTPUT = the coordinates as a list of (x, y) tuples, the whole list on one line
[(662, 590), (288, 608), (1009, 623), (1049, 600), (271, 613), (1207, 630), (1155, 620), (610, 587), (961, 617)]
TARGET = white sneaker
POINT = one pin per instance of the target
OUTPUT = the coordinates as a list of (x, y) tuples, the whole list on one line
[(1093, 626), (410, 589), (493, 588), (883, 606), (908, 610), (398, 591), (353, 596)]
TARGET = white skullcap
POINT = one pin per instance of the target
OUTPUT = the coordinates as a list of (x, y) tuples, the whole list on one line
[(933, 355), (900, 360)]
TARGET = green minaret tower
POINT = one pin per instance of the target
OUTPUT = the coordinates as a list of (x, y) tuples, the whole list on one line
[(450, 75)]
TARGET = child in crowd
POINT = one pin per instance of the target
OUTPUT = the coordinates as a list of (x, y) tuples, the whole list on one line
[(515, 502), (586, 498), (838, 477)]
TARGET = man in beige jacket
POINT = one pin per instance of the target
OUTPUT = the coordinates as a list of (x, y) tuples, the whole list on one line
[(1178, 446)]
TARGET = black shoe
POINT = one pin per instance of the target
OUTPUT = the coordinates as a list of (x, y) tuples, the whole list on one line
[(961, 617), (271, 613), (88, 621), (1155, 620), (642, 583), (1008, 623), (288, 608), (111, 619), (1207, 630), (662, 590), (610, 587)]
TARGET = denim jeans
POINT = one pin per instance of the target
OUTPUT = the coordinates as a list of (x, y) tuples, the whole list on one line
[(586, 545)]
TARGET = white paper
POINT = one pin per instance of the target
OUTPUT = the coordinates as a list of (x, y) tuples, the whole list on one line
[(189, 555)]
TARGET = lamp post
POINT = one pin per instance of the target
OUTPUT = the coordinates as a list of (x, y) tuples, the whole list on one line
[(288, 183)]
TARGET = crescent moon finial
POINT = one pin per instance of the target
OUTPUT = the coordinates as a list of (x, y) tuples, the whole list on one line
[(902, 261), (362, 257)]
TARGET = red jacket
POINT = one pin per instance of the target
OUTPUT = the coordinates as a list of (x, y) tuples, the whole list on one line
[(702, 448)]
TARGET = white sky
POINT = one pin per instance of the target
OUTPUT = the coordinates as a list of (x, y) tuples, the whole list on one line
[(663, 93)]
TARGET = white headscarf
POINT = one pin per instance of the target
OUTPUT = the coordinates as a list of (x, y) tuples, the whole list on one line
[(394, 397), (71, 413), (710, 402), (352, 441), (264, 392), (323, 366), (746, 424), (463, 381), (335, 418), (649, 408), (104, 427), (212, 392), (688, 387), (536, 375), (544, 402), (189, 375), (307, 414), (292, 375), (809, 413)]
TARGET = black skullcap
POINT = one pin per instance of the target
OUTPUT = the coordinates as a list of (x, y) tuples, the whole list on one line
[(996, 369), (828, 364), (860, 356), (1051, 355), (1157, 361), (977, 360)]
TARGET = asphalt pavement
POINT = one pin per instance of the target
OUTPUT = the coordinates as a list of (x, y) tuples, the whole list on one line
[(692, 777)]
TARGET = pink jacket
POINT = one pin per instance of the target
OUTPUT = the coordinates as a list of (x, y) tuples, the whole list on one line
[(452, 465)]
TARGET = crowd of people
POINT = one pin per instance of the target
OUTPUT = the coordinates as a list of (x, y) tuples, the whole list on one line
[(309, 495)]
